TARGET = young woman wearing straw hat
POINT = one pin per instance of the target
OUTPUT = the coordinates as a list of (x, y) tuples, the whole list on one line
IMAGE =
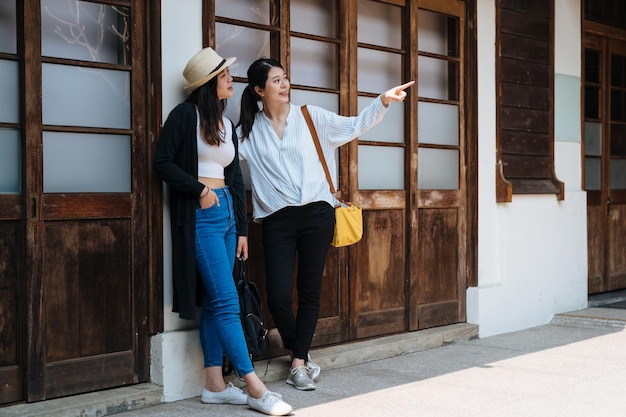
[(197, 156)]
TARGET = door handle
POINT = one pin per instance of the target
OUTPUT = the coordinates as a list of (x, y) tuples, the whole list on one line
[(34, 207)]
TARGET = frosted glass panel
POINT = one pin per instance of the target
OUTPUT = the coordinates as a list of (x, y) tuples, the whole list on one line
[(618, 174), (379, 24), (8, 29), (256, 11), (75, 96), (328, 101), (246, 44), (381, 168), (438, 124), (378, 71), (10, 97), (313, 63), (432, 32), (10, 162), (316, 17), (593, 139), (434, 77), (438, 169), (592, 174), (76, 162), (391, 128), (86, 31)]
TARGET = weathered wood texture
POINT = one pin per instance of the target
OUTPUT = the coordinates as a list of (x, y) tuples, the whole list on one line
[(378, 298), (595, 248), (87, 290), (81, 259), (88, 306), (605, 106), (616, 246), (525, 100), (10, 356), (438, 273)]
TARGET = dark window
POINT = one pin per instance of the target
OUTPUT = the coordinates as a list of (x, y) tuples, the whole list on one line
[(608, 12)]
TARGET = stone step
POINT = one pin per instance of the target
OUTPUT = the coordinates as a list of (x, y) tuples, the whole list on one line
[(592, 317)]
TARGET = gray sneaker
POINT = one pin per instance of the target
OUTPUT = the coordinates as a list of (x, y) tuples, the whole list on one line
[(314, 369), (270, 403), (299, 378)]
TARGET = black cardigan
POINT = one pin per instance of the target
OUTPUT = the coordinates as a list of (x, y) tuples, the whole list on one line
[(176, 162)]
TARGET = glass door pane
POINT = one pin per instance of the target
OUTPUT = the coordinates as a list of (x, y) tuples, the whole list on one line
[(380, 66), (439, 142), (86, 109), (85, 31)]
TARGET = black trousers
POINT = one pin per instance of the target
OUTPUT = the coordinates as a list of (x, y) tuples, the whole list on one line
[(303, 233)]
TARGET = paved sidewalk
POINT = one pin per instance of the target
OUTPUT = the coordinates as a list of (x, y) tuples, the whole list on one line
[(575, 366), (551, 370)]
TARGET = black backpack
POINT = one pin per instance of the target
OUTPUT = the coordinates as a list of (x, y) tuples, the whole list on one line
[(254, 330)]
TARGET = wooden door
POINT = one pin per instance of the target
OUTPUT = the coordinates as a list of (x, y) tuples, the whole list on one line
[(77, 220), (605, 161), (12, 283), (264, 31), (438, 197), (411, 264)]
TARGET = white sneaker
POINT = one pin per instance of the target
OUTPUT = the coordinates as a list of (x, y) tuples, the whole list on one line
[(314, 369), (231, 395), (270, 403)]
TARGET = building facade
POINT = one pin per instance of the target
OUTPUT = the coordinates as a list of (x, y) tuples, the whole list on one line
[(495, 194)]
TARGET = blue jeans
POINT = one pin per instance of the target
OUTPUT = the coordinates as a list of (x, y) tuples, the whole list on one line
[(220, 323)]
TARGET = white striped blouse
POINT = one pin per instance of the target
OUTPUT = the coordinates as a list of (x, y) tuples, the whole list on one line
[(288, 172)]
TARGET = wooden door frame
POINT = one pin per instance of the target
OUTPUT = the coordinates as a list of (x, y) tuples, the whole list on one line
[(30, 50), (605, 35)]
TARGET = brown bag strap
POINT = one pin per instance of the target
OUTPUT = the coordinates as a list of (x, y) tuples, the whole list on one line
[(318, 147)]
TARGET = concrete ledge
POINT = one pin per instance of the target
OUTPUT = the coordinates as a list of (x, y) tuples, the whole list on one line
[(95, 404), (592, 317), (110, 402)]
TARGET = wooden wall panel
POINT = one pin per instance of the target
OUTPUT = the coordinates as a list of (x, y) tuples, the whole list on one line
[(522, 143), (438, 255), (525, 99), (10, 369), (617, 247), (530, 73), (595, 248), (440, 283), (378, 298), (88, 296)]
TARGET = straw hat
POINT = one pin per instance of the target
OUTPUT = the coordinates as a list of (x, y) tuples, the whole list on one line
[(203, 66)]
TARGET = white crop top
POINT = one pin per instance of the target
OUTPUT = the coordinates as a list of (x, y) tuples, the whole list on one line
[(213, 159)]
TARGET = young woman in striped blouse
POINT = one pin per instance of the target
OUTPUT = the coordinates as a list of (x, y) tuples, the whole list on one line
[(292, 200)]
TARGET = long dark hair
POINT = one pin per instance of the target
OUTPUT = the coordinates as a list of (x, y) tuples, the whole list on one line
[(257, 77), (211, 110)]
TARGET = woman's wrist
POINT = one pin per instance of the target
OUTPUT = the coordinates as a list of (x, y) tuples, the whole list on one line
[(205, 192)]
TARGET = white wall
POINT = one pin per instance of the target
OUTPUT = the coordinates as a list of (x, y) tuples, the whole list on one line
[(532, 252), (175, 355)]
